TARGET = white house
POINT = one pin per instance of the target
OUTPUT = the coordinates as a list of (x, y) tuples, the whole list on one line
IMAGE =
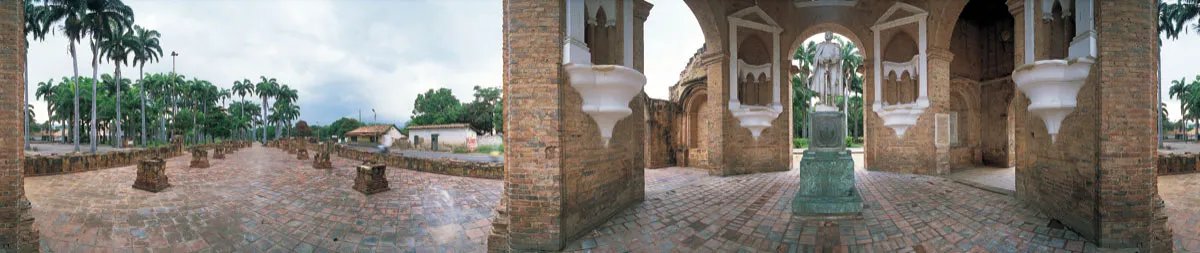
[(449, 135), (375, 135)]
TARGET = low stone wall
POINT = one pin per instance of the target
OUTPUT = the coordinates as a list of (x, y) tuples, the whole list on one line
[(1169, 164), (44, 165), (453, 167)]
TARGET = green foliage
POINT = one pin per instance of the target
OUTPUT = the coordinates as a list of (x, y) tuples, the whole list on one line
[(489, 148), (800, 143), (1174, 16), (461, 150), (341, 126), (436, 107)]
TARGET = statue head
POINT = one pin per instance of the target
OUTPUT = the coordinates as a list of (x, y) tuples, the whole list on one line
[(828, 36)]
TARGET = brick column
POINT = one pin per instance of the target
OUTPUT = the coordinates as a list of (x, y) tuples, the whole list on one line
[(17, 233), (939, 102), (1128, 73)]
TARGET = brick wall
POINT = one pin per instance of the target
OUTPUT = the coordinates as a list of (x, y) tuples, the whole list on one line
[(1128, 65), (533, 80), (40, 165), (445, 166), (661, 144), (1169, 164), (17, 233)]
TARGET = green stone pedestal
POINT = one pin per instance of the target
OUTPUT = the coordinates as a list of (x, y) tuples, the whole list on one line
[(827, 172)]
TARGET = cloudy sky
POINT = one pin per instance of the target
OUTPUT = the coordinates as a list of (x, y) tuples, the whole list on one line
[(343, 56), (351, 55)]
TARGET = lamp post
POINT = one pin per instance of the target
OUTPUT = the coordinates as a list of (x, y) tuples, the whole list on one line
[(374, 117)]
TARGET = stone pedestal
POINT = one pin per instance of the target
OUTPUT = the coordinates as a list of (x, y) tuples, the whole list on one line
[(151, 175), (219, 153), (827, 171), (371, 179), (321, 160), (199, 158), (302, 154)]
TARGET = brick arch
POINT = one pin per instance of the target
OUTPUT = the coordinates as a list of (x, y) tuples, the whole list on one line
[(839, 29), (942, 19)]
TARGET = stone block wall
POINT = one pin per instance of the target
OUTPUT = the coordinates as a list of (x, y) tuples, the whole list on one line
[(40, 165), (451, 167), (1169, 164)]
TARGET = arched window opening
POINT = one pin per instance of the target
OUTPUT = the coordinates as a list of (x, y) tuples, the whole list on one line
[(754, 85), (1062, 31), (599, 35)]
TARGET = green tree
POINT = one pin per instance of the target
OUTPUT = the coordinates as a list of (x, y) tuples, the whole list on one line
[(147, 49), (35, 27), (480, 113), (302, 129), (118, 47), (266, 88), (102, 19), (341, 126), (243, 88), (436, 107), (71, 14), (1173, 16)]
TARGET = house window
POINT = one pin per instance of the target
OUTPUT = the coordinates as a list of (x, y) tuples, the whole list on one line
[(374, 139), (354, 138)]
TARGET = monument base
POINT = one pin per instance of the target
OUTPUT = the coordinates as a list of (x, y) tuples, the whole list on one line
[(827, 185), (827, 171)]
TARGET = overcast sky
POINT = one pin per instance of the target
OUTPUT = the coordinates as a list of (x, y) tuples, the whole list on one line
[(343, 56)]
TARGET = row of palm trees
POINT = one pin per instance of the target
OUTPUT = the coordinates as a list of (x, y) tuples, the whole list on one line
[(108, 28)]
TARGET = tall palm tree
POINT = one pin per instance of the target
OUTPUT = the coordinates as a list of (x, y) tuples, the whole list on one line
[(70, 13), (45, 92), (146, 50), (34, 26), (801, 94), (117, 47), (285, 96), (241, 88), (1173, 16), (102, 19), (266, 89)]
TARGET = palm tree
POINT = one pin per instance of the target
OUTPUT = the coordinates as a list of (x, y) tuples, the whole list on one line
[(266, 88), (70, 12), (45, 92), (102, 19), (1172, 17), (34, 26), (117, 48), (147, 49), (801, 94), (241, 88), (285, 96)]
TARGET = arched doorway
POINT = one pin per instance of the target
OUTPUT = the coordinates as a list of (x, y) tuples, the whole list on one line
[(982, 136), (853, 69)]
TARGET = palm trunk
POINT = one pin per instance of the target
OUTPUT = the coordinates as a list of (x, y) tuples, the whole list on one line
[(25, 106), (75, 85), (264, 107), (142, 95), (95, 82), (119, 131)]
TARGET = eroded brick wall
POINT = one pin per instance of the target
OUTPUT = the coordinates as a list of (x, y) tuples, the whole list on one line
[(661, 142), (1128, 72), (533, 81), (17, 233)]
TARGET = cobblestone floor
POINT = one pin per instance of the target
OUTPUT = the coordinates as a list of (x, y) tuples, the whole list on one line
[(261, 199), (905, 213), (264, 200), (1182, 195)]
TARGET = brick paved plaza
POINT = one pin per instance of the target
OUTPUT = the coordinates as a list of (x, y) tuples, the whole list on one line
[(264, 199)]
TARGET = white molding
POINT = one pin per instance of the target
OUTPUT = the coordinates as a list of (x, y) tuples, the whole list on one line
[(757, 12), (900, 117), (910, 67), (754, 25), (1048, 8), (824, 3), (755, 70), (574, 49)]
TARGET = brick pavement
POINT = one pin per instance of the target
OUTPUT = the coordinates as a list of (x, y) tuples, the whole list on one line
[(262, 199)]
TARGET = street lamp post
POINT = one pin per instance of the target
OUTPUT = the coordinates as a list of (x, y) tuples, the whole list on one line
[(374, 117)]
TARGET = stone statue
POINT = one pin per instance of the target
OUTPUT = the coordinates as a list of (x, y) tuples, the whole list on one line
[(826, 79)]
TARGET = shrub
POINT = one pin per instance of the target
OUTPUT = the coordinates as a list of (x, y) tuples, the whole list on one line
[(799, 143), (460, 150)]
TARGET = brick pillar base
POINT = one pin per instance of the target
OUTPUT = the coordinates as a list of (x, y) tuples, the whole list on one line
[(199, 159), (321, 160), (302, 154), (371, 179), (151, 175), (218, 153)]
